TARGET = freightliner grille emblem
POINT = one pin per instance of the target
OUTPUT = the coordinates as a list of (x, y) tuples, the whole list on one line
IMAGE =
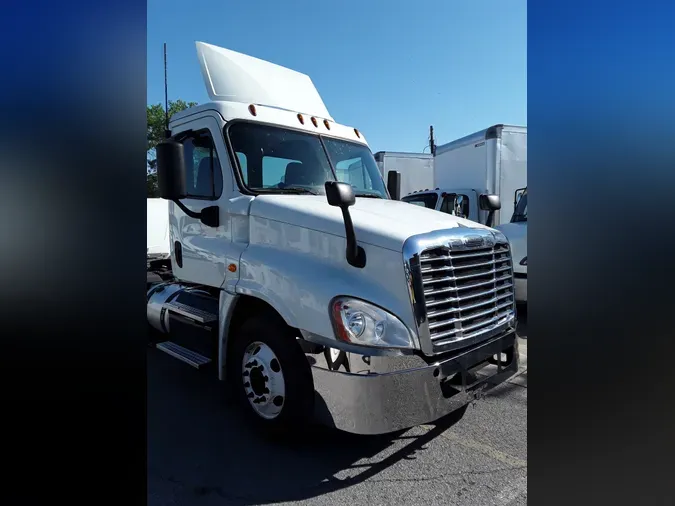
[(473, 241)]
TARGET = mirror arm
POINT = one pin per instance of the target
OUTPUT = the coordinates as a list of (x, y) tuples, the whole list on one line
[(356, 255), (208, 215), (190, 213)]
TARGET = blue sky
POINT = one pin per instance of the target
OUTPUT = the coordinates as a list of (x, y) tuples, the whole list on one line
[(389, 68)]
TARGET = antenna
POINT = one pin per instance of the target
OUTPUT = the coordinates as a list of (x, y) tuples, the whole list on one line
[(167, 132), (432, 143)]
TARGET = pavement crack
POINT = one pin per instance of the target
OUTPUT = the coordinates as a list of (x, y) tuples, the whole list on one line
[(459, 474), (491, 452)]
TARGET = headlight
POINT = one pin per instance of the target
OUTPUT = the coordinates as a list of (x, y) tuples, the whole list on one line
[(358, 322), (524, 261)]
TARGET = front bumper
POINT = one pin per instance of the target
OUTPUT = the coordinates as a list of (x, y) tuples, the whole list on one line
[(385, 394)]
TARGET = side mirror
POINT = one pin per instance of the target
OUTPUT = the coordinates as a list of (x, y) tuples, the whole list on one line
[(518, 193), (394, 184), (489, 203), (171, 170), (341, 195), (171, 177)]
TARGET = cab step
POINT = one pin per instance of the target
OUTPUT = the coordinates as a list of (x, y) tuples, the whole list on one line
[(188, 356), (191, 312)]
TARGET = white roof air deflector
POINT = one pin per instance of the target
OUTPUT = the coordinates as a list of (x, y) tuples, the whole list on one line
[(235, 77)]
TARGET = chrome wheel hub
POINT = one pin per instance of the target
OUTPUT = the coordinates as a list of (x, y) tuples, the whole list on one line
[(263, 380)]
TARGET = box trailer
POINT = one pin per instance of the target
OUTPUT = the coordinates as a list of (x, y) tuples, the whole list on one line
[(416, 169)]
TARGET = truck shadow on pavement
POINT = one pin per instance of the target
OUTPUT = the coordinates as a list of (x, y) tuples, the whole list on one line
[(201, 450)]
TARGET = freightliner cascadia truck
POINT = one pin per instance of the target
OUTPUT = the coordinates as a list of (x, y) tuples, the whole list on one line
[(300, 283)]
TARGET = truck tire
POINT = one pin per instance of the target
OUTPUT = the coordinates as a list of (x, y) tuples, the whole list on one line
[(271, 376)]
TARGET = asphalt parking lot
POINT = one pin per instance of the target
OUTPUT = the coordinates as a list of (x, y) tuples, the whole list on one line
[(200, 452)]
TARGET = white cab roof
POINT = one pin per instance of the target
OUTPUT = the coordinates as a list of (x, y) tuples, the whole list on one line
[(234, 81)]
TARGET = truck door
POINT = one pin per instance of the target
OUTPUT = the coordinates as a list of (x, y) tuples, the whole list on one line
[(200, 253)]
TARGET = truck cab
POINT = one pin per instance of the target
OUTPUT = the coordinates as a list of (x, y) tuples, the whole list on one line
[(299, 281)]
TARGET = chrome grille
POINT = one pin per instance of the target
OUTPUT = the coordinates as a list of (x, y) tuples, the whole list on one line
[(467, 292)]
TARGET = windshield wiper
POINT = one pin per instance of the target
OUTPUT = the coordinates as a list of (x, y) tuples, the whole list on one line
[(296, 190), (368, 195), (300, 189)]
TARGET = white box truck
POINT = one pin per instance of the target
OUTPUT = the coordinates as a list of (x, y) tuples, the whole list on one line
[(298, 281), (493, 161), (416, 169)]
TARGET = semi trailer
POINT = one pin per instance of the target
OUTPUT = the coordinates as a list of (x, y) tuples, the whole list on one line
[(296, 280)]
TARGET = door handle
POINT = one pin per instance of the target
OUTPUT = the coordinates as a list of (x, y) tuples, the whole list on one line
[(178, 253)]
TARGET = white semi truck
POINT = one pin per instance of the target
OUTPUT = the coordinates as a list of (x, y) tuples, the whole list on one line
[(300, 283)]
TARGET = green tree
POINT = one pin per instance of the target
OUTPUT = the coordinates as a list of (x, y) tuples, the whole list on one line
[(156, 126)]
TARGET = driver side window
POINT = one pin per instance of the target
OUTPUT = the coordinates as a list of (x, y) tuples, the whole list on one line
[(456, 205), (202, 167)]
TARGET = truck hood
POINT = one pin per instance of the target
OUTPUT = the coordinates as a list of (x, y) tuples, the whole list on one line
[(378, 222), (516, 233)]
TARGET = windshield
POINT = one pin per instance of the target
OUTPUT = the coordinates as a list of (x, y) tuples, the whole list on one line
[(278, 160), (427, 200), (520, 214)]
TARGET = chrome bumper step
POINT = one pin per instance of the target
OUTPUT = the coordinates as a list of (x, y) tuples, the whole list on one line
[(191, 312), (188, 356)]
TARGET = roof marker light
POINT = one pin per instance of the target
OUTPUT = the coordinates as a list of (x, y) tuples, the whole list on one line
[(301, 119), (314, 122), (357, 133), (326, 124), (251, 109)]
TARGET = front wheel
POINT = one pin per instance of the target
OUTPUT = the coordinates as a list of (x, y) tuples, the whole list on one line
[(271, 376)]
